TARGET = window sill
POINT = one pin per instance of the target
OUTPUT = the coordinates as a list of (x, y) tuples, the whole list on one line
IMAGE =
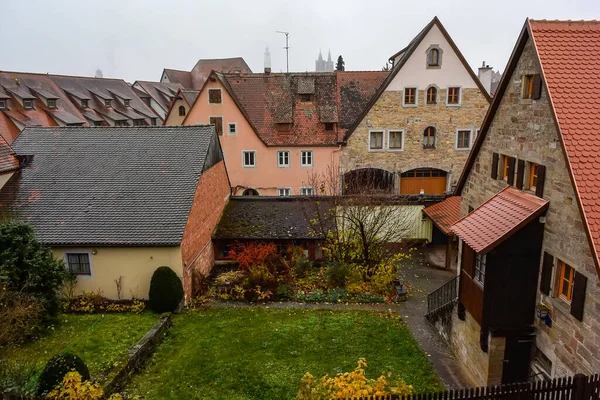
[(410, 105), (376, 150), (249, 166), (396, 150), (525, 101), (462, 149), (283, 166), (559, 305), (453, 105), (306, 166)]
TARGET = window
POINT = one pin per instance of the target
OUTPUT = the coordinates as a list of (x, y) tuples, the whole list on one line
[(306, 191), (127, 102), (181, 111), (28, 104), (432, 95), (479, 270), (429, 137), (249, 158), (375, 140), (214, 96), (138, 122), (306, 158), (218, 123), (97, 123), (52, 104), (305, 98), (395, 140), (453, 97), (79, 263), (533, 176), (283, 159), (505, 167), (107, 103), (85, 103), (122, 123), (433, 58), (284, 191), (463, 139), (410, 96), (232, 128), (3, 104), (329, 126), (527, 86), (284, 127), (153, 121), (250, 192), (565, 284)]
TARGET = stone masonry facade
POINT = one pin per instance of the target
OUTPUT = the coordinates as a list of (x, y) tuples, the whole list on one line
[(210, 199), (525, 129), (388, 113)]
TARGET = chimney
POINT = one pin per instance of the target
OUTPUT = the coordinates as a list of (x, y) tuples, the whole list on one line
[(267, 61), (485, 76)]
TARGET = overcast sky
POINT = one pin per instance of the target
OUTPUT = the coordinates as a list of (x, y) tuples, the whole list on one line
[(137, 39)]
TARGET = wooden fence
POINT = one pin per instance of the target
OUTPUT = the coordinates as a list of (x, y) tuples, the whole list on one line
[(578, 387)]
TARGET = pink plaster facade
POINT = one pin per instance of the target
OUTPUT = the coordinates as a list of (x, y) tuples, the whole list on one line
[(266, 177)]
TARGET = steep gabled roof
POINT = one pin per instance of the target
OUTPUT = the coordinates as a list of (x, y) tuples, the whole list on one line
[(177, 76), (568, 53), (189, 96), (445, 213), (160, 92), (8, 158), (204, 67), (114, 186), (406, 54)]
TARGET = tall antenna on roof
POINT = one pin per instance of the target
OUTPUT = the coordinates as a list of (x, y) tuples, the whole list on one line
[(287, 50)]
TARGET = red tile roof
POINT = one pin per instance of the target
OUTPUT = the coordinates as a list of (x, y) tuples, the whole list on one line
[(269, 99), (498, 218), (445, 213), (8, 159), (569, 53), (203, 68)]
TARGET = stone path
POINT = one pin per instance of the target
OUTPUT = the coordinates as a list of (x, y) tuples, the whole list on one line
[(421, 278)]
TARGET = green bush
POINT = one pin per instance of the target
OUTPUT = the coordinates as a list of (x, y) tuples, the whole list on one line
[(22, 316), (337, 274), (166, 290), (56, 369)]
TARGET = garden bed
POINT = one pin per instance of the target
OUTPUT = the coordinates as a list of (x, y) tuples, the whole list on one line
[(258, 353)]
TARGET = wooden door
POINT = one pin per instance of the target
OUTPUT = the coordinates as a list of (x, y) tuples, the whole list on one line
[(517, 356)]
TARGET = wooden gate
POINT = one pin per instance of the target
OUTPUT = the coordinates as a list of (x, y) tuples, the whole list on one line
[(428, 180)]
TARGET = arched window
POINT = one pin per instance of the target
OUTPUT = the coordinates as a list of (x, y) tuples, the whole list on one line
[(429, 137), (433, 58), (250, 192), (181, 111), (432, 95)]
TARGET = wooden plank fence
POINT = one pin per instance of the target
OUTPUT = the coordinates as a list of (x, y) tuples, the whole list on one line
[(578, 387)]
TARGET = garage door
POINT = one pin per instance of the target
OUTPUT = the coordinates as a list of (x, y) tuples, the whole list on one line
[(428, 180)]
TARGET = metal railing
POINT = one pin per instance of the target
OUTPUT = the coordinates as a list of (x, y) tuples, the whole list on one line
[(442, 296)]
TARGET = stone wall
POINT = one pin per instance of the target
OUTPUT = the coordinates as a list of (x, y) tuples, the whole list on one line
[(525, 129), (388, 113)]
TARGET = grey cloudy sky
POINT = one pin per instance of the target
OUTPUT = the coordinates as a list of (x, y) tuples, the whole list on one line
[(136, 39)]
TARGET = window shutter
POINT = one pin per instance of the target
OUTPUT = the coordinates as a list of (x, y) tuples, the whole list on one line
[(511, 170), (579, 285), (536, 87), (495, 158), (539, 187), (546, 274), (520, 174)]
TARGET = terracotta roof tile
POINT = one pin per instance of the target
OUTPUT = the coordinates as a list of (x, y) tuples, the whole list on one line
[(445, 213), (498, 218), (8, 159), (569, 53)]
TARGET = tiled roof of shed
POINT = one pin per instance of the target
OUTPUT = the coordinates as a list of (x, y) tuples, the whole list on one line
[(569, 53), (498, 218), (111, 186), (8, 159), (445, 213)]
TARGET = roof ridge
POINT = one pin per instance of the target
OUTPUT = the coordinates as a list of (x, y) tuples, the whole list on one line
[(566, 21), (61, 75)]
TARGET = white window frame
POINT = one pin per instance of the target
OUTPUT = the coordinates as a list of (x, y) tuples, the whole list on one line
[(388, 140), (229, 124), (312, 159), (460, 93), (208, 96), (244, 158), (470, 139), (279, 165), (303, 189), (3, 104), (280, 189), (416, 96), (79, 251), (383, 135), (32, 104)]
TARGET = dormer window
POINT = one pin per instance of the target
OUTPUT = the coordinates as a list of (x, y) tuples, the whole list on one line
[(305, 98), (329, 126), (107, 103), (85, 103), (3, 104), (52, 104), (127, 102), (433, 58), (284, 127), (28, 104)]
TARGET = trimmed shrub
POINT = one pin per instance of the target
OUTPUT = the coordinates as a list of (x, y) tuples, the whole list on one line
[(337, 274), (56, 369), (166, 290)]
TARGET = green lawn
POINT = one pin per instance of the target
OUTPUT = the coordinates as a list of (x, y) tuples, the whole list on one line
[(256, 353), (98, 340)]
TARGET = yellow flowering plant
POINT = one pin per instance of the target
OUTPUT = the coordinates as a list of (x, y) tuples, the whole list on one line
[(73, 388)]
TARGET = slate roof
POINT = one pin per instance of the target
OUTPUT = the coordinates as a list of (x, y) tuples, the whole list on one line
[(8, 159), (182, 77), (269, 99), (160, 92), (190, 96), (267, 218), (113, 186), (498, 218), (445, 213)]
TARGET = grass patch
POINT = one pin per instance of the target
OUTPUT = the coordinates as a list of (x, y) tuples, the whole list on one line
[(100, 340), (256, 353)]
